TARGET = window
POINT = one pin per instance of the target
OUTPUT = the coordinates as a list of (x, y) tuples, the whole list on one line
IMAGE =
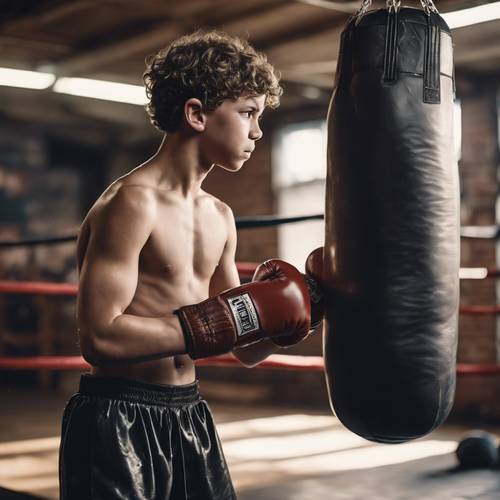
[(299, 174)]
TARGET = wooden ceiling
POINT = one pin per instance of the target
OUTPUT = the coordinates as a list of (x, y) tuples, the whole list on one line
[(109, 39)]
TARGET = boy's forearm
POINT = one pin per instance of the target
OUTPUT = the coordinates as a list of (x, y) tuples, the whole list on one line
[(253, 354), (133, 339)]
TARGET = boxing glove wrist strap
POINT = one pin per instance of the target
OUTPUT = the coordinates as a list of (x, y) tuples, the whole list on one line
[(208, 331), (215, 326)]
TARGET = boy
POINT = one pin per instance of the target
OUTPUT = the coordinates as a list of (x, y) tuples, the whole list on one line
[(152, 244)]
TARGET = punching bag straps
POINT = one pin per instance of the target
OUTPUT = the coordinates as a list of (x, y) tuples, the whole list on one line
[(432, 62), (391, 42)]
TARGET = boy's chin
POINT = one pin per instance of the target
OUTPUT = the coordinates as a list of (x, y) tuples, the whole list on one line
[(233, 166)]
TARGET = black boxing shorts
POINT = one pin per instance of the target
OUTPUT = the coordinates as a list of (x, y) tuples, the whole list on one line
[(131, 440)]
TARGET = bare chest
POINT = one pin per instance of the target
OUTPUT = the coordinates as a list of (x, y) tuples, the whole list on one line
[(186, 242)]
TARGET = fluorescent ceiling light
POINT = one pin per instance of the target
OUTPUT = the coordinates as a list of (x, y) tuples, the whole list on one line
[(25, 79), (474, 15), (100, 89)]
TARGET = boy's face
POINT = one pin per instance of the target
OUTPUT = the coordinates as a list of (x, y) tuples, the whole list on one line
[(231, 131)]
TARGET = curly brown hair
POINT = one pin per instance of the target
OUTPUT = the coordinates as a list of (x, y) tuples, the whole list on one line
[(211, 66)]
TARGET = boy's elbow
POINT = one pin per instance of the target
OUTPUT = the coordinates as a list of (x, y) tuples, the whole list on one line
[(90, 357), (87, 349), (250, 364), (94, 348), (245, 361)]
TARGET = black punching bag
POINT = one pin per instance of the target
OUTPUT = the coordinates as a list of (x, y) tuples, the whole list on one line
[(392, 239)]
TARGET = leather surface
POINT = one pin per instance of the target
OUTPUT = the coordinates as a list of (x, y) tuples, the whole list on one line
[(275, 303), (130, 440), (392, 234)]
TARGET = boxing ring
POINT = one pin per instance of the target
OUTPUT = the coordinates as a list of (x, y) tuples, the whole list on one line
[(281, 362)]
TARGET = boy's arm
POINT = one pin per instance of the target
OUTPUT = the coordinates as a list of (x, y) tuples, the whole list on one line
[(108, 281), (225, 277)]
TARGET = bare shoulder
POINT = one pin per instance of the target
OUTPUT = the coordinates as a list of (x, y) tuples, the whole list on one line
[(223, 208), (134, 197), (121, 218), (124, 201), (126, 210)]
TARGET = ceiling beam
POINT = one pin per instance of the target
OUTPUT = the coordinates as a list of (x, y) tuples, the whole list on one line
[(182, 20), (44, 13)]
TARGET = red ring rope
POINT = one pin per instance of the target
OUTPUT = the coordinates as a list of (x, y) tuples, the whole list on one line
[(67, 289), (38, 287), (480, 310), (273, 362)]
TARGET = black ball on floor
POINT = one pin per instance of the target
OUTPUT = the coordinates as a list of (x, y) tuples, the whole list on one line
[(477, 450)]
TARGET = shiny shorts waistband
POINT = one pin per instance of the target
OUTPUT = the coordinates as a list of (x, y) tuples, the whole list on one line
[(137, 391)]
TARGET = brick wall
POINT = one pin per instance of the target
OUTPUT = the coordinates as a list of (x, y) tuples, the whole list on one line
[(478, 398)]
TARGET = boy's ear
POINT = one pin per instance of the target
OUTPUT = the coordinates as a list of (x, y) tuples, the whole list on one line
[(194, 114)]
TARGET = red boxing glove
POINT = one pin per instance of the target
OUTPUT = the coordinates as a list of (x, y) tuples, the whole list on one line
[(314, 271), (276, 303)]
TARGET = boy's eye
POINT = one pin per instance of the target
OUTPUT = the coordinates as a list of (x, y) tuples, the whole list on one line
[(251, 113)]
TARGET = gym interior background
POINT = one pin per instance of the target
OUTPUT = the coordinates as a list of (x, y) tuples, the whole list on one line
[(58, 151)]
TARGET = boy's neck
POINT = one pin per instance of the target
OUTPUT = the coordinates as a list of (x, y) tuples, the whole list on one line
[(178, 165)]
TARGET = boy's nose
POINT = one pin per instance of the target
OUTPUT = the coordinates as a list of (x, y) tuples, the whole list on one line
[(255, 133)]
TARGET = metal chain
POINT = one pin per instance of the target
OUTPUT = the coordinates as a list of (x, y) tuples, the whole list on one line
[(429, 6), (365, 5)]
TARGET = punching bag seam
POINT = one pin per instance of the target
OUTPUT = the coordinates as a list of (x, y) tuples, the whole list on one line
[(378, 18), (371, 25), (401, 73)]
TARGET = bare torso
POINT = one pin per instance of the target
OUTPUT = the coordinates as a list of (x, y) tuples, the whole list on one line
[(175, 267)]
